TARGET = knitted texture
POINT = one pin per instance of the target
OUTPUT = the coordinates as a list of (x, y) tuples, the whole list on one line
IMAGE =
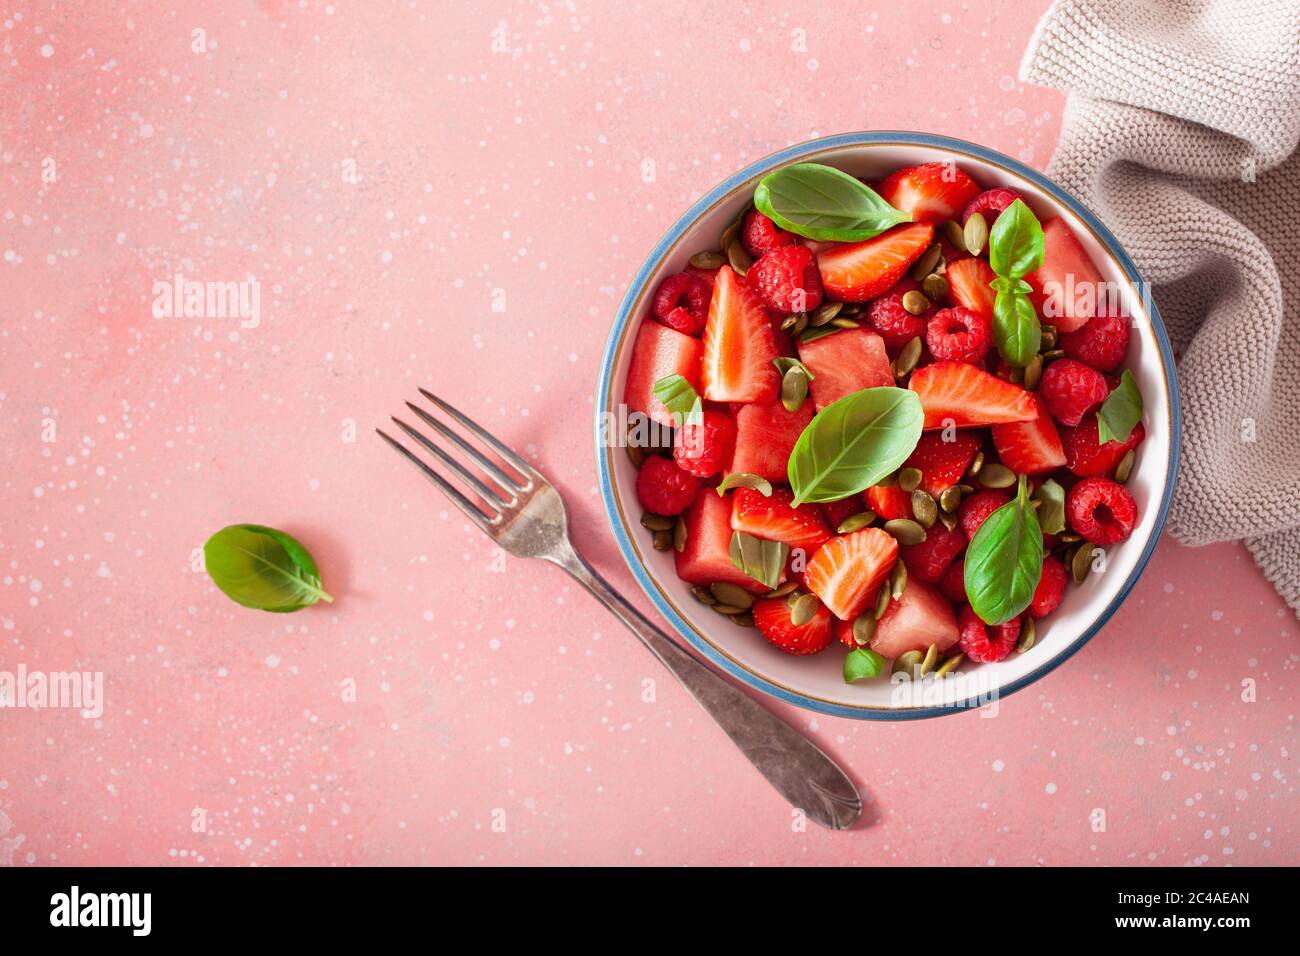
[(1180, 132)]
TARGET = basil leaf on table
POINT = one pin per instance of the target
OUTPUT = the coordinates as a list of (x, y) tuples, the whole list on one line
[(1016, 242), (761, 559), (1051, 508), (1005, 560), (1121, 411), (1016, 328), (821, 202), (862, 662), (854, 442), (263, 568)]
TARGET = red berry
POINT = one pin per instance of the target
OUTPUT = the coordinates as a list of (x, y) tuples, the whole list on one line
[(990, 203), (1086, 458), (953, 583), (786, 279), (1051, 588), (942, 458), (958, 335), (1101, 344), (837, 511), (928, 560), (895, 324), (1071, 390), (761, 234), (1101, 511), (663, 488), (772, 618), (984, 644), (704, 448), (682, 302), (979, 506)]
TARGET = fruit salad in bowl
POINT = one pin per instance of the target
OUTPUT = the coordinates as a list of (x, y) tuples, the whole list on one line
[(886, 426)]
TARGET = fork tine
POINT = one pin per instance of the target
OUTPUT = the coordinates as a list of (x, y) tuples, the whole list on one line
[(525, 469), (491, 499), (460, 501), (495, 473)]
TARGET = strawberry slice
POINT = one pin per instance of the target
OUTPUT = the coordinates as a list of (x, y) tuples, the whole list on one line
[(931, 193), (771, 517), (1067, 285), (889, 502), (772, 618), (845, 362), (943, 459), (846, 571), (961, 395), (1030, 448), (968, 284), (858, 271), (765, 436), (738, 345), (1085, 457)]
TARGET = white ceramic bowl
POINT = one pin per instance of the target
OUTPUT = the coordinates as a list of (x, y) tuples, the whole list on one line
[(816, 682)]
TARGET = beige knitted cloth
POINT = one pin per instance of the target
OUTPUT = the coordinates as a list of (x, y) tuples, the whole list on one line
[(1180, 132)]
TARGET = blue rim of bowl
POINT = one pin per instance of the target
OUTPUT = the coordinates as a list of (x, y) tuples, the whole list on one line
[(624, 317)]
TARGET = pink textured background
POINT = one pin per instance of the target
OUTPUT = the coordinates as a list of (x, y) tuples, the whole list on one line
[(517, 170)]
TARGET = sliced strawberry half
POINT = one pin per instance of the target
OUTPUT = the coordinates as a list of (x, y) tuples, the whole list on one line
[(968, 284), (943, 459), (1067, 285), (889, 502), (738, 345), (846, 571), (845, 362), (858, 271), (931, 193), (1085, 457), (772, 517), (1030, 448), (961, 395), (772, 618)]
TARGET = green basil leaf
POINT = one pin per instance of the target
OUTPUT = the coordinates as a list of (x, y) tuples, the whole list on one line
[(818, 332), (1121, 411), (761, 559), (1051, 511), (862, 662), (784, 364), (1016, 328), (1003, 284), (854, 442), (821, 202), (262, 568), (677, 395), (1016, 242), (743, 479), (1005, 560)]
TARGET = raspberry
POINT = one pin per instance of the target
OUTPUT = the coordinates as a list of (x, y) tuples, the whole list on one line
[(984, 644), (786, 279), (1071, 390), (895, 324), (953, 583), (1085, 457), (1051, 588), (1101, 344), (979, 506), (761, 234), (958, 335), (704, 448), (991, 202), (682, 302), (928, 560), (663, 488), (1101, 511)]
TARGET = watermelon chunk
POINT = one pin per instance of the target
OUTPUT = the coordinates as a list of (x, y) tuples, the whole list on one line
[(657, 353), (706, 559), (765, 436), (845, 362), (1067, 286), (921, 616)]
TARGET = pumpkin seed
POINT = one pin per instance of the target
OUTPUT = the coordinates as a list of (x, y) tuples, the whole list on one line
[(729, 234), (851, 308), (949, 521), (707, 259), (908, 357), (789, 321), (1125, 466), (996, 475), (636, 455), (909, 479), (976, 233), (679, 535), (656, 522), (954, 233), (907, 663), (794, 388), (905, 531), (801, 323), (935, 287), (976, 464), (1015, 374), (965, 489), (1033, 372), (1027, 635), (915, 302), (928, 661), (882, 602), (824, 313), (1068, 537), (662, 540), (804, 609), (845, 324), (856, 522), (739, 258), (1053, 354), (924, 509), (783, 590), (726, 610), (703, 595), (732, 594), (950, 665), (898, 580), (1047, 339), (925, 265), (1081, 562), (744, 620), (864, 629), (950, 500)]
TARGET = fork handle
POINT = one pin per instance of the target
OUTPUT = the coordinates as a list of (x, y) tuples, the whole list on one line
[(793, 764)]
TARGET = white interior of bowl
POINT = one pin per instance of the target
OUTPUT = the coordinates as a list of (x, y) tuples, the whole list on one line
[(819, 677)]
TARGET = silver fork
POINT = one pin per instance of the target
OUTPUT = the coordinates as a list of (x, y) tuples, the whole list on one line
[(525, 515)]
